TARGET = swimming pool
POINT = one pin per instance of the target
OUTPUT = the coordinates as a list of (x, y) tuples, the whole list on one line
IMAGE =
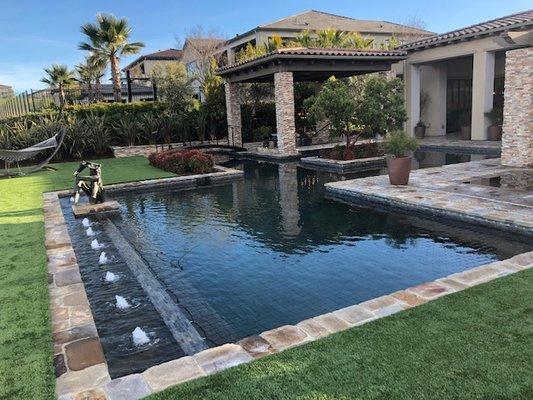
[(202, 267)]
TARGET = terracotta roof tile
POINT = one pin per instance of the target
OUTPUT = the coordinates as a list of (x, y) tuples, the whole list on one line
[(514, 21), (304, 51)]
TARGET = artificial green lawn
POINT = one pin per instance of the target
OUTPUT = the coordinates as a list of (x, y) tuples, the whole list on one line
[(26, 369), (477, 344)]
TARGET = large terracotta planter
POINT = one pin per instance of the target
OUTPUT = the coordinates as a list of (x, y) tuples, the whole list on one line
[(494, 133), (466, 133), (420, 132), (399, 169)]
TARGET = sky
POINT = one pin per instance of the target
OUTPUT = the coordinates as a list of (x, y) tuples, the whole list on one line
[(36, 33)]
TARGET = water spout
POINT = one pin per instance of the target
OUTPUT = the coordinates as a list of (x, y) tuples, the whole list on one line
[(122, 303), (103, 258), (95, 245), (89, 231), (111, 277), (140, 337), (86, 223)]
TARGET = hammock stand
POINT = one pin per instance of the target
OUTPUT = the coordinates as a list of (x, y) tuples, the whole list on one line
[(16, 156)]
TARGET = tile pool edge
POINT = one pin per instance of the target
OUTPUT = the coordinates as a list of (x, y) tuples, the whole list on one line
[(78, 352)]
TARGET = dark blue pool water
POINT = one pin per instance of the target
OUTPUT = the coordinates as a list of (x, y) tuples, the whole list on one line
[(266, 251)]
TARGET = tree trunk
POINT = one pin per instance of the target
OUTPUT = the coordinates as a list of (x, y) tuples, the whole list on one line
[(61, 97), (97, 87), (115, 72)]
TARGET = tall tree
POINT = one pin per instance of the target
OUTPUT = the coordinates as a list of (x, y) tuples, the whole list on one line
[(90, 72), (109, 39), (58, 76)]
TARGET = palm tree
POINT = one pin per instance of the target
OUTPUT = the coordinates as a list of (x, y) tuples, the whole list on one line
[(109, 40), (59, 76), (333, 39), (90, 72), (305, 39)]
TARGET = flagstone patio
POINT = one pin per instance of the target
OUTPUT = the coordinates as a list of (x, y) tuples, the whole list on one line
[(483, 192)]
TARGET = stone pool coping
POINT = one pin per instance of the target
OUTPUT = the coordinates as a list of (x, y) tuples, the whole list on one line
[(343, 166), (79, 359), (441, 192)]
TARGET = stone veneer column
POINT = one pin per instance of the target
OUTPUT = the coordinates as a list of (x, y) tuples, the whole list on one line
[(233, 111), (284, 96), (517, 139)]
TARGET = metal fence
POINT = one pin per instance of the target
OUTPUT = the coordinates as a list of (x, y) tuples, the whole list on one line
[(132, 90), (25, 103)]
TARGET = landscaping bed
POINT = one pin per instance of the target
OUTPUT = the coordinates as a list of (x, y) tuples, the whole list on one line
[(183, 162), (363, 156)]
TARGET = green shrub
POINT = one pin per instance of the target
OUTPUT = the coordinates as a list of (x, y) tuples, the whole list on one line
[(183, 162), (127, 129), (397, 143)]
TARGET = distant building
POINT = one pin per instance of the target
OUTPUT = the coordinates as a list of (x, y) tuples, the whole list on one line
[(197, 52), (143, 66), (6, 91), (104, 93), (290, 27)]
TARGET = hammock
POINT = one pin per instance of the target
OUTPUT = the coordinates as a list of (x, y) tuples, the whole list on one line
[(16, 156)]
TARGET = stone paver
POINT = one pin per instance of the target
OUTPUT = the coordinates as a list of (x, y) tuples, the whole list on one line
[(172, 373), (409, 298), (221, 357), (84, 353), (94, 394), (384, 305), (78, 381), (355, 315), (430, 290), (477, 275), (285, 337), (256, 346), (68, 276), (313, 328), (332, 323), (130, 387)]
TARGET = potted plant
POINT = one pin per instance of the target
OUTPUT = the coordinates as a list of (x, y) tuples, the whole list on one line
[(420, 130), (494, 131), (396, 146), (465, 120)]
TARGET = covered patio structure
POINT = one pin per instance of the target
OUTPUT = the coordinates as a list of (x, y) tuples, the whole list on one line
[(283, 67)]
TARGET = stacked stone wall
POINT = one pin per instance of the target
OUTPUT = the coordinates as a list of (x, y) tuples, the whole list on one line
[(517, 139)]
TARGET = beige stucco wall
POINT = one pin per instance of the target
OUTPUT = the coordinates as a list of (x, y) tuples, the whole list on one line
[(427, 70), (149, 65)]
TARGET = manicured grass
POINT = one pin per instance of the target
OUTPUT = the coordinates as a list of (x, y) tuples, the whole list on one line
[(476, 344), (26, 369)]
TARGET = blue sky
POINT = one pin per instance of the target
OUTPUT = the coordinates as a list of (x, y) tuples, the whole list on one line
[(37, 33)]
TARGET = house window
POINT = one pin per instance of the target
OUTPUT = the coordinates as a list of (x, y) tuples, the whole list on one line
[(142, 69)]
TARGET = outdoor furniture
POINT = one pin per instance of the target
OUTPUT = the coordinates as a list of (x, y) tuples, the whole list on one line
[(16, 156)]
